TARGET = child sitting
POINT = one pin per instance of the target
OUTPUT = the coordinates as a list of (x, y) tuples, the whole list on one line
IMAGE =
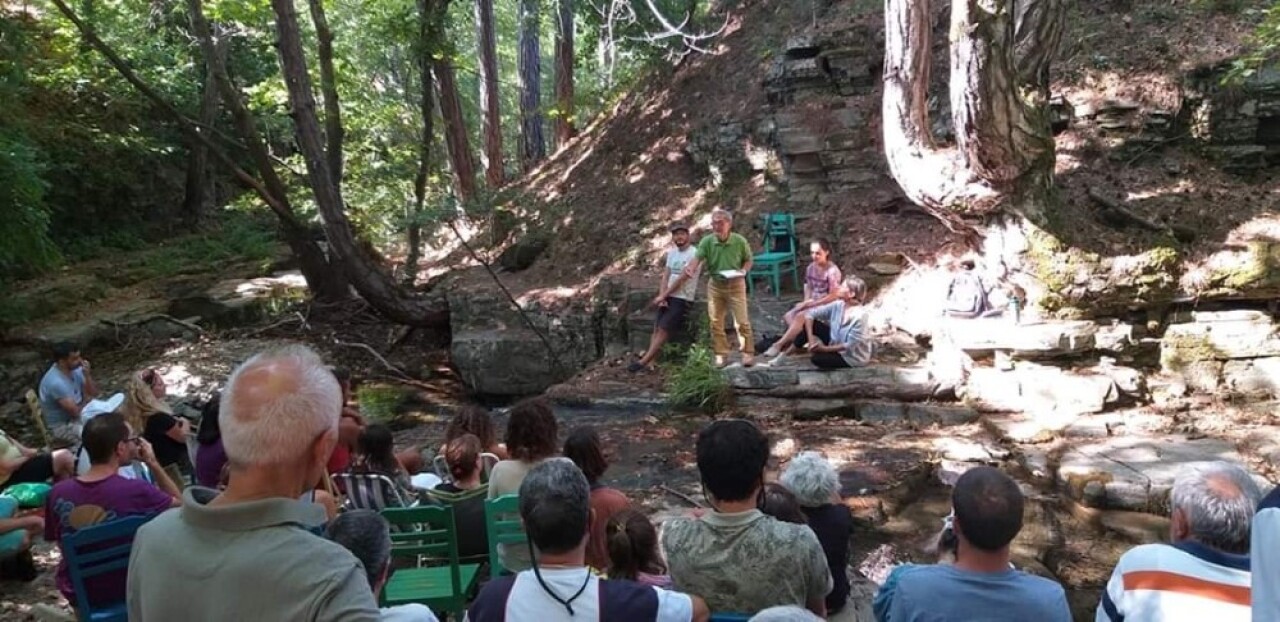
[(633, 550)]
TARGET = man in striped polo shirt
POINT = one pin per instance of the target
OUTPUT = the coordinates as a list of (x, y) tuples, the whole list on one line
[(1203, 574)]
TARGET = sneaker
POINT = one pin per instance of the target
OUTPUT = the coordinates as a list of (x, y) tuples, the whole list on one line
[(771, 353), (748, 360), (635, 367), (780, 359), (721, 360)]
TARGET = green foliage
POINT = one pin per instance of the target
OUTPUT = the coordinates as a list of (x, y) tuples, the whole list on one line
[(696, 382), (1264, 44)]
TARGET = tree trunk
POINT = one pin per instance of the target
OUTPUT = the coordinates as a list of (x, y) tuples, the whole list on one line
[(564, 72), (325, 280), (455, 131), (490, 115), (532, 145), (1003, 160), (372, 280), (427, 32), (198, 197), (333, 131)]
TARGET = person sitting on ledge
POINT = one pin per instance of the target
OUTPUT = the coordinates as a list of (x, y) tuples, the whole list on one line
[(1203, 573), (836, 331)]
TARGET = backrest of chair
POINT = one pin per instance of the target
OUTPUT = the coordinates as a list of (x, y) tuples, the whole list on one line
[(426, 531), (97, 550), (370, 491), (729, 617), (441, 466), (502, 523), (33, 405), (780, 227), (487, 461)]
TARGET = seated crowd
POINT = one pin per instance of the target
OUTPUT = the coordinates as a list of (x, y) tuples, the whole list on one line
[(260, 535)]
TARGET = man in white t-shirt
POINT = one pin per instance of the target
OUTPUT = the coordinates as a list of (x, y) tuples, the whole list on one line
[(555, 506), (368, 536), (676, 293)]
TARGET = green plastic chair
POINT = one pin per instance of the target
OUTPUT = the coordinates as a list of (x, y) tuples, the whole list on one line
[(779, 254), (502, 523), (428, 535)]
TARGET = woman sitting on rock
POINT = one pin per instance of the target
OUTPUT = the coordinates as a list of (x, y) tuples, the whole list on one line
[(836, 331)]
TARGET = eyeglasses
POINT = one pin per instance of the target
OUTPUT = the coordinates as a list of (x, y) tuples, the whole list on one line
[(136, 440)]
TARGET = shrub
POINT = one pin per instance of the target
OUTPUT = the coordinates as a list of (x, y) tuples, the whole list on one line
[(696, 382)]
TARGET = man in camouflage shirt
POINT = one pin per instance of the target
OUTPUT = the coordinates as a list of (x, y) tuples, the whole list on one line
[(736, 557)]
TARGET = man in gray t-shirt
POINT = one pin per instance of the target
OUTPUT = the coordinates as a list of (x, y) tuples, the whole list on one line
[(980, 585), (64, 390), (676, 292)]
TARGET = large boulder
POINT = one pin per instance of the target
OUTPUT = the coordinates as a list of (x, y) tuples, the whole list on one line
[(1135, 472), (497, 353), (1039, 389)]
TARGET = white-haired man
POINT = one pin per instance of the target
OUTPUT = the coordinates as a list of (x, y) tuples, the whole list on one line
[(247, 553), (727, 258), (816, 486), (1203, 574)]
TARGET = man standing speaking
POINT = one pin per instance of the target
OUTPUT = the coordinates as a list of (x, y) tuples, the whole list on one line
[(727, 258)]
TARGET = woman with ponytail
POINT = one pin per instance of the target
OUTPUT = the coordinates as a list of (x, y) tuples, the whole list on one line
[(633, 550), (466, 494)]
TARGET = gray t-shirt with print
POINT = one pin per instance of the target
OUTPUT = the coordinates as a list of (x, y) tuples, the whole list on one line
[(745, 562), (677, 260)]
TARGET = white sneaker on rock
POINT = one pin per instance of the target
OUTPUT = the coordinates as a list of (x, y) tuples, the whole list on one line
[(771, 353), (777, 360), (721, 361)]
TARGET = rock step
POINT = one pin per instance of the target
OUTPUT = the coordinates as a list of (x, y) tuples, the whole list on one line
[(912, 383)]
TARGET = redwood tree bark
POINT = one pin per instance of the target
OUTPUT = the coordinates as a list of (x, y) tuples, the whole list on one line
[(455, 131), (564, 72), (1003, 160), (428, 32), (533, 147), (490, 114), (198, 195), (370, 278), (333, 131)]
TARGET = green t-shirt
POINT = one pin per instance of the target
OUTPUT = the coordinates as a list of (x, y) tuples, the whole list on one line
[(731, 254)]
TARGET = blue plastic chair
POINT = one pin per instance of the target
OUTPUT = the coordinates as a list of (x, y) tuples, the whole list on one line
[(779, 254), (95, 551), (729, 617)]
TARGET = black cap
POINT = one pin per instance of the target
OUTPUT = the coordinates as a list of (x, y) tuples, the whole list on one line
[(678, 226)]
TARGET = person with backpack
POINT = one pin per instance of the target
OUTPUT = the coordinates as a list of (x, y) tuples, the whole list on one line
[(967, 295)]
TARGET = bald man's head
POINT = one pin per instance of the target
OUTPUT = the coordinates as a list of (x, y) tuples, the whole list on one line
[(276, 405)]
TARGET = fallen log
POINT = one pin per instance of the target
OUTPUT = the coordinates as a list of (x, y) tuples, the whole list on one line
[(151, 318)]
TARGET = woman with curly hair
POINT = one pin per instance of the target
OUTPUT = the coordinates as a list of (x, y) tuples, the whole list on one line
[(531, 438), (475, 420)]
